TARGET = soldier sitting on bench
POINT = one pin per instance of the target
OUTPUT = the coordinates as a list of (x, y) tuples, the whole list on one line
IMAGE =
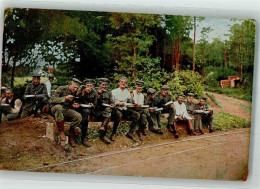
[(182, 115), (206, 116)]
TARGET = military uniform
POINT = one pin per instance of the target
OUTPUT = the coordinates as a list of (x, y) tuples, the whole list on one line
[(190, 109), (31, 103), (203, 118)]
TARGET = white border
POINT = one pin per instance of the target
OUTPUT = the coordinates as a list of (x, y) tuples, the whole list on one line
[(217, 8)]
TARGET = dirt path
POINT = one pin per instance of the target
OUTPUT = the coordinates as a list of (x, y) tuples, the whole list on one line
[(237, 107)]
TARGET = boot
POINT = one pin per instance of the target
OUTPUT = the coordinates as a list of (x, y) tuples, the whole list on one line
[(175, 132), (113, 137), (131, 136), (77, 131), (60, 126), (190, 126), (169, 127), (71, 138), (211, 130), (105, 139), (156, 130), (192, 133), (139, 132), (145, 132), (85, 142), (201, 132)]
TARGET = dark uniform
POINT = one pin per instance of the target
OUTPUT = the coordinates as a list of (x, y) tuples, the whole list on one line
[(86, 113), (62, 110), (104, 112), (190, 108), (32, 104), (205, 118), (166, 109)]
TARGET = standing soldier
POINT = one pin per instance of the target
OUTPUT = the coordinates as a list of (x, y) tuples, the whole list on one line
[(203, 117), (10, 106), (36, 96), (104, 108), (150, 100), (62, 110), (48, 84), (165, 100), (88, 100), (121, 96)]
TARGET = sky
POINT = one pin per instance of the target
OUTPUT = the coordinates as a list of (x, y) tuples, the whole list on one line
[(219, 26)]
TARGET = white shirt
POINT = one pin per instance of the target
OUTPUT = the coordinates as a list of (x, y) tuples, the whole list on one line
[(121, 96), (17, 105), (48, 86), (138, 98), (181, 110)]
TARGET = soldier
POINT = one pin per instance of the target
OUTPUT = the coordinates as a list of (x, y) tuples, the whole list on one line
[(138, 99), (36, 96), (10, 106), (182, 115), (204, 117), (62, 110), (105, 104), (164, 100), (87, 96), (151, 101), (190, 106), (121, 96)]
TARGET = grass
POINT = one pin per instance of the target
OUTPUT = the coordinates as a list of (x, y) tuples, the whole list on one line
[(23, 80), (245, 107), (224, 121)]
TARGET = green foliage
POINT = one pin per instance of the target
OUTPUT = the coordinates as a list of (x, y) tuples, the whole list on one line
[(214, 100), (225, 121), (186, 82)]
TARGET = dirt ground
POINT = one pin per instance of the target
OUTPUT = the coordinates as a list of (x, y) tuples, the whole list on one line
[(218, 155)]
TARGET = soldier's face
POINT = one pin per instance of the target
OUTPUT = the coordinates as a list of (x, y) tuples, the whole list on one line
[(138, 88), (151, 96), (122, 84), (165, 92), (190, 99), (36, 80), (180, 99), (73, 87), (51, 80), (202, 102), (9, 94), (103, 86), (89, 87)]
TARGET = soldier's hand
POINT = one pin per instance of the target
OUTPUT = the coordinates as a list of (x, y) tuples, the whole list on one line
[(179, 118), (69, 98), (171, 106), (111, 106), (137, 106), (91, 104), (119, 104), (150, 109), (211, 111), (36, 96)]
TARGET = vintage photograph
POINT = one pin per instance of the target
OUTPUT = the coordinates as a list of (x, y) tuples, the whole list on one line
[(126, 94)]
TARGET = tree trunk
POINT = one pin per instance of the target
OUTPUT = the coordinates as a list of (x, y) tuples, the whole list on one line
[(178, 53), (193, 62), (173, 51), (164, 53), (13, 69), (241, 60), (204, 65)]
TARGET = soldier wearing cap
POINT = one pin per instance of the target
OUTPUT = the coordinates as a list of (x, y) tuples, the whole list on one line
[(48, 84), (182, 115), (87, 96), (121, 96), (10, 106), (190, 106), (206, 117), (105, 105), (151, 101), (62, 110), (163, 97), (36, 96)]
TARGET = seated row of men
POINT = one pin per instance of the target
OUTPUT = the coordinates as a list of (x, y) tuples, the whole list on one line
[(77, 103)]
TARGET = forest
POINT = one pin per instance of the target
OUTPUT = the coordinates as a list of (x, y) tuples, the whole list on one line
[(156, 48)]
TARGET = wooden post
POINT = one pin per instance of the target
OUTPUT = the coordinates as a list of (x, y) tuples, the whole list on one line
[(50, 130)]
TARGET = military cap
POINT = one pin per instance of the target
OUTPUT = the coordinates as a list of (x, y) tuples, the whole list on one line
[(3, 89), (203, 98), (89, 81), (36, 75), (9, 89), (181, 95), (51, 76), (190, 94), (76, 81), (139, 83), (76, 99), (103, 80), (151, 91), (123, 78), (165, 87)]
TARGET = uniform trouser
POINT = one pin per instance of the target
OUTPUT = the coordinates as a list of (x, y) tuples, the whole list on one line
[(171, 112), (7, 112), (144, 116), (32, 107), (203, 118), (66, 114), (85, 113), (130, 114)]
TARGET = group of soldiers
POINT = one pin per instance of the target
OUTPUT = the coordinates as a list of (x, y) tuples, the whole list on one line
[(78, 102)]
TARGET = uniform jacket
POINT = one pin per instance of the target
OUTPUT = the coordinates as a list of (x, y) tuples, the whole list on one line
[(190, 107), (58, 97)]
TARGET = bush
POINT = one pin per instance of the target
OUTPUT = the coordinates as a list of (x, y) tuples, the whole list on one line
[(225, 121)]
